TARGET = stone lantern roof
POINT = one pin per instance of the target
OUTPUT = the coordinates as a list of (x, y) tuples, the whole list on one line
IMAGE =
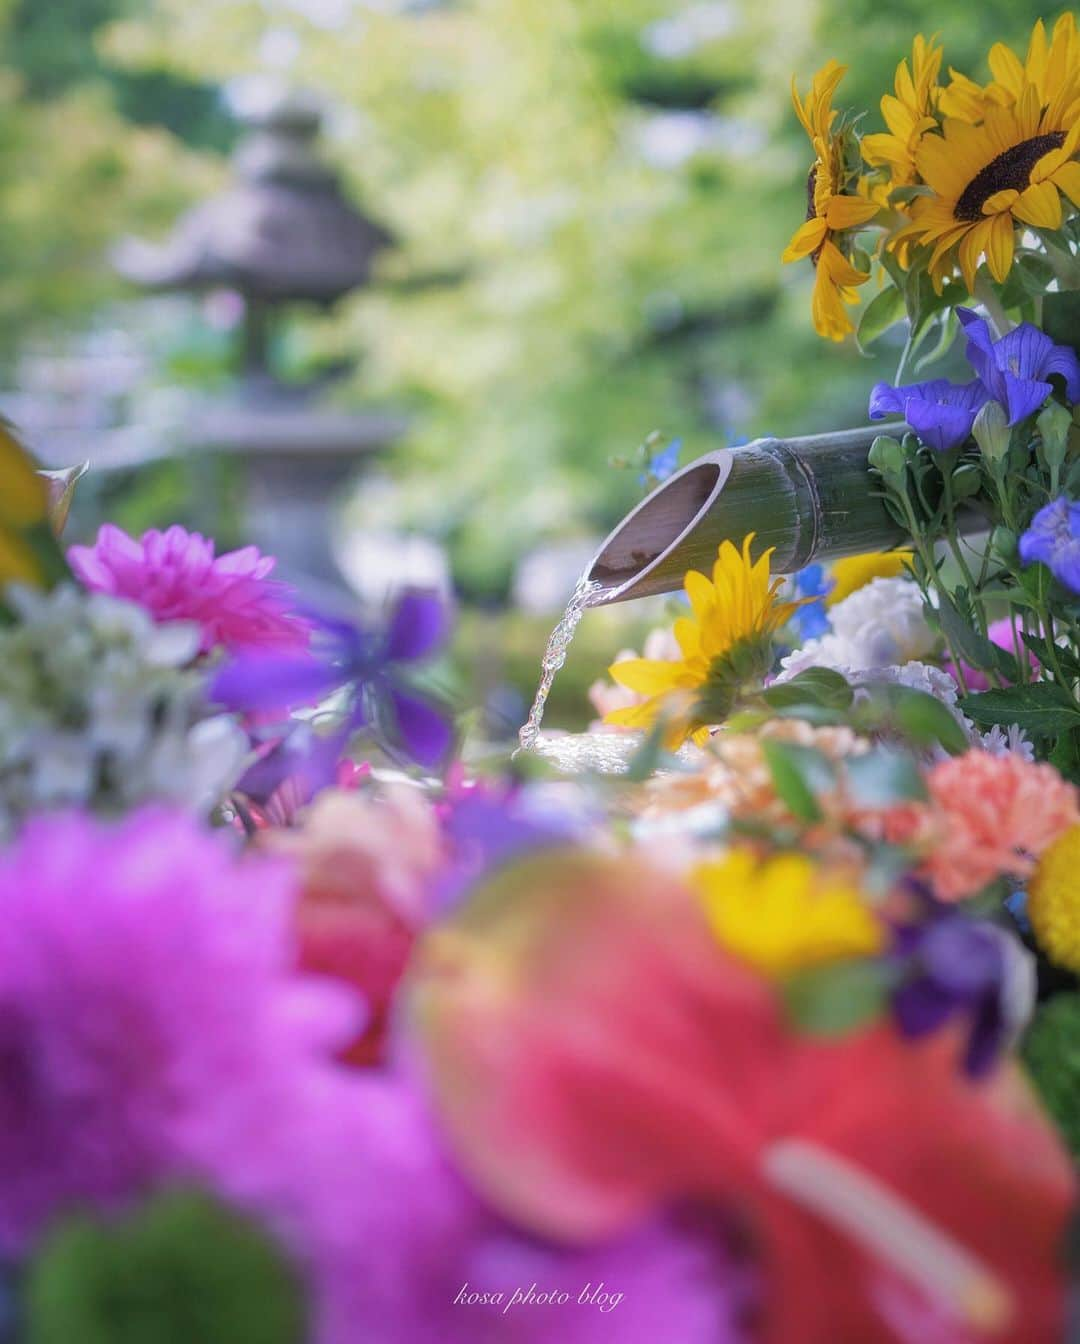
[(283, 232)]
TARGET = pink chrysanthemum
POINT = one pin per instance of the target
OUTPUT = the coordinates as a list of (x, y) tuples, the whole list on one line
[(987, 816), (151, 1025), (176, 576)]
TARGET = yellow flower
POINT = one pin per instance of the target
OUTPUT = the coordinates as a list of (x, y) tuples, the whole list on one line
[(857, 571), (24, 510), (1053, 901), (1052, 67), (783, 914), (909, 115), (829, 211), (988, 179), (725, 642), (24, 496)]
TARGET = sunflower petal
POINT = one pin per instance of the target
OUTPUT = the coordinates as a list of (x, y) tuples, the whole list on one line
[(1040, 206), (805, 240), (999, 249), (648, 676), (847, 212)]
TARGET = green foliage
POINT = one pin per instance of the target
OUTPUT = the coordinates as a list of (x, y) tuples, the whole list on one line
[(1042, 709), (178, 1270), (558, 291), (1051, 1052), (838, 998), (799, 774)]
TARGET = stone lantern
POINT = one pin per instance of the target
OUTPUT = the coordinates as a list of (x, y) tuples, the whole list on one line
[(282, 233)]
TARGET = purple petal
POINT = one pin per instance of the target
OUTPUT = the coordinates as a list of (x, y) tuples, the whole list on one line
[(921, 1006), (941, 426), (1053, 538), (1023, 396), (1063, 361), (980, 351), (986, 1039), (424, 732), (418, 627), (888, 400), (963, 956), (305, 757), (263, 682), (1023, 351)]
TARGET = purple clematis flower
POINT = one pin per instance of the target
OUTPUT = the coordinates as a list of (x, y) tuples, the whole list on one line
[(492, 825), (940, 412), (1054, 539), (1016, 370), (372, 666), (959, 967)]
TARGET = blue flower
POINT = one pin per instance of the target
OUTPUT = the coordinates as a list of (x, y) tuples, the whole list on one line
[(371, 666), (940, 412), (812, 620), (663, 465), (1016, 370), (1054, 539), (955, 967)]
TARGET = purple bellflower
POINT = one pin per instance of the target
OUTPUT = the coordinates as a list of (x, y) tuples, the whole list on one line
[(1054, 539), (956, 967), (1016, 370), (371, 667), (940, 412)]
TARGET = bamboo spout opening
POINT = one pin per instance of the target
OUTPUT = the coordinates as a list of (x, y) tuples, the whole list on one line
[(647, 534), (804, 499)]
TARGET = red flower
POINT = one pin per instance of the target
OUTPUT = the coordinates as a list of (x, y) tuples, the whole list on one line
[(595, 1056)]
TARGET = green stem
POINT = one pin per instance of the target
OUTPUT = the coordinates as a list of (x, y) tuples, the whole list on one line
[(929, 561), (999, 319)]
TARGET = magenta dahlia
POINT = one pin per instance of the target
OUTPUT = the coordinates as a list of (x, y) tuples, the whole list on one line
[(176, 576), (152, 1025)]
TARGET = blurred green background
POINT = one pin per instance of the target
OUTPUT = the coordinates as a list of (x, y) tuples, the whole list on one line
[(589, 199)]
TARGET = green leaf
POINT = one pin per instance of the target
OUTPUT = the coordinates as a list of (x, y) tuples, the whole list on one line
[(799, 774), (648, 756), (1042, 709), (1061, 318), (176, 1268), (814, 686), (883, 776), (915, 715), (949, 324), (1065, 757), (970, 643), (881, 313), (838, 998)]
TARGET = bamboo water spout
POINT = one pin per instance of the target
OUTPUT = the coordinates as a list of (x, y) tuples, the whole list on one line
[(811, 498)]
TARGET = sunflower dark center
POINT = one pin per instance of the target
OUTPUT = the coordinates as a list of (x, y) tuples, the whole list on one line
[(811, 187), (1009, 171)]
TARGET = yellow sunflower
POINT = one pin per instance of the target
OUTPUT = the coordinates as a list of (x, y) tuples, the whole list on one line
[(909, 114), (1052, 67), (725, 643), (988, 179), (829, 211)]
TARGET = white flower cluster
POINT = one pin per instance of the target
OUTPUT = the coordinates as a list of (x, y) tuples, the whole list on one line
[(98, 709), (880, 634), (879, 625)]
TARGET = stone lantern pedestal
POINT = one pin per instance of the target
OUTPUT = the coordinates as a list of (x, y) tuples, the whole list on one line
[(283, 233)]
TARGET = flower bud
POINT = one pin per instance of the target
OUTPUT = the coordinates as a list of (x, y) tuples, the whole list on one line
[(1003, 543), (887, 456), (992, 432), (1054, 423), (966, 480)]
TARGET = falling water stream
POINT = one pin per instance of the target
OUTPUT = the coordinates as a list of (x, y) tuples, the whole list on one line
[(584, 595)]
